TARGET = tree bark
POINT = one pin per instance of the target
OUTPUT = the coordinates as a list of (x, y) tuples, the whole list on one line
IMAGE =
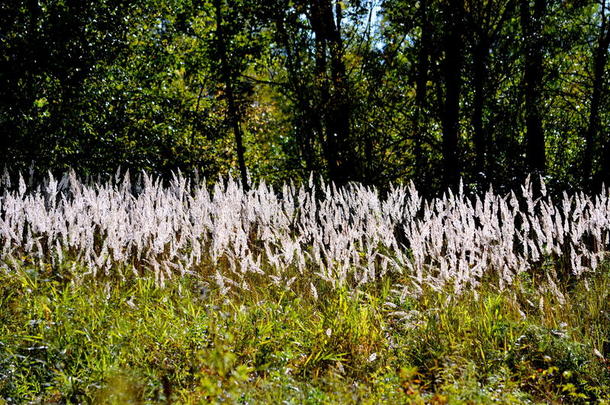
[(421, 85), (592, 133), (480, 76), (334, 94), (452, 75), (233, 111), (531, 26), (308, 123)]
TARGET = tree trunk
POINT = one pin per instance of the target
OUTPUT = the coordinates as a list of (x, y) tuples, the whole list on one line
[(592, 132), (421, 93), (336, 109), (480, 73), (235, 118), (452, 75), (308, 123), (531, 26), (233, 111)]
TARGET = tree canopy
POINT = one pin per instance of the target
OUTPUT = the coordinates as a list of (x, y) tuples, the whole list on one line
[(374, 91)]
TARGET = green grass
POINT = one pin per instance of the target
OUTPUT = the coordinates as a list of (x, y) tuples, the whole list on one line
[(132, 342)]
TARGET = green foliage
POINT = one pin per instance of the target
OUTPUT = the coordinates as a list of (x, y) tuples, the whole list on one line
[(120, 342), (99, 84)]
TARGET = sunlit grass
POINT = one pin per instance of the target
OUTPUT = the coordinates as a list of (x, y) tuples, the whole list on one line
[(132, 341)]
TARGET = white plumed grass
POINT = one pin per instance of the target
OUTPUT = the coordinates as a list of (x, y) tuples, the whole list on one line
[(312, 235)]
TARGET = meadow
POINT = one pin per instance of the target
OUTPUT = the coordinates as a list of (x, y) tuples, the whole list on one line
[(134, 289)]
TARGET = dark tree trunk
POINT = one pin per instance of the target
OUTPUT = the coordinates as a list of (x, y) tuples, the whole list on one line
[(531, 26), (233, 111), (339, 122), (423, 66), (333, 90), (323, 87), (452, 75), (592, 133), (235, 118), (308, 123), (480, 73)]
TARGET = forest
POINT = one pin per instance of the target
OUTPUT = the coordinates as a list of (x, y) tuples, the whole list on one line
[(304, 202), (373, 91)]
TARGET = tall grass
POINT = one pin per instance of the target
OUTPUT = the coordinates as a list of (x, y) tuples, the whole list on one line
[(303, 294), (316, 235), (138, 343)]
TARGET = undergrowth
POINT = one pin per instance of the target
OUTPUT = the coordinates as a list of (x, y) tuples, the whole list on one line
[(135, 342)]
